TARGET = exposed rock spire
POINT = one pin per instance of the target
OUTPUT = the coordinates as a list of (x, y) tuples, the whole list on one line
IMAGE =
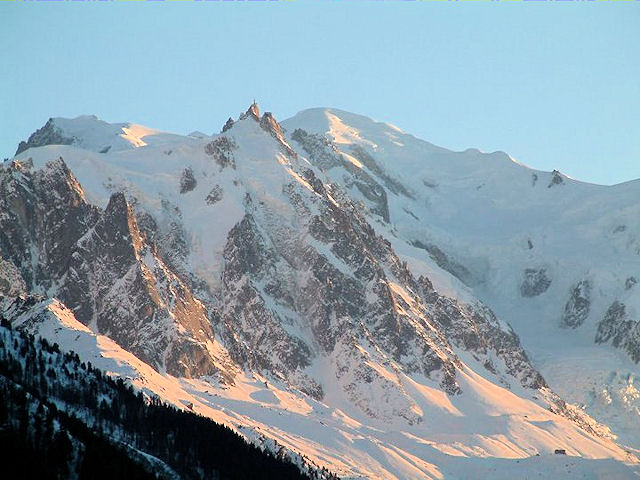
[(269, 124), (254, 111), (228, 125)]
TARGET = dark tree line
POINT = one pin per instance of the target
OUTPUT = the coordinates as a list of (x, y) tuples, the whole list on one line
[(62, 418)]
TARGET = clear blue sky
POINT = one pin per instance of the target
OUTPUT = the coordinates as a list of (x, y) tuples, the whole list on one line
[(556, 85)]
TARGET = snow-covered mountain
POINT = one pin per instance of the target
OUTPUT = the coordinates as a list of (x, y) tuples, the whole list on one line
[(90, 133), (374, 303), (556, 258)]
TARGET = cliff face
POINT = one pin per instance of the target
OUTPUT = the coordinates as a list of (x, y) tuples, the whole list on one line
[(101, 266)]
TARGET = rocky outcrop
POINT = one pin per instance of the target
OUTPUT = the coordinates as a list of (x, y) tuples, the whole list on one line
[(445, 262), (227, 125), (477, 330), (391, 183), (622, 331), (221, 149), (215, 195), (324, 155), (43, 213), (577, 308), (369, 184), (556, 179), (269, 123), (187, 180), (161, 321), (11, 282), (535, 282), (252, 112), (49, 134), (100, 265), (630, 282)]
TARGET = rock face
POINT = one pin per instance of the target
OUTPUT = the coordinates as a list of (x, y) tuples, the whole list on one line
[(444, 262), (577, 308), (333, 279), (325, 156), (252, 112), (34, 202), (476, 329), (535, 282), (391, 183), (556, 179), (114, 260), (11, 282), (47, 135), (101, 266), (221, 149), (215, 195), (227, 125), (187, 181), (622, 331)]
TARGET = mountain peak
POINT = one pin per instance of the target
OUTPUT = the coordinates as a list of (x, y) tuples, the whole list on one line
[(269, 123), (89, 133), (47, 135), (228, 125), (253, 111)]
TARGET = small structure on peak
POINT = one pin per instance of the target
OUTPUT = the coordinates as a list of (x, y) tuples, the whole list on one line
[(253, 111)]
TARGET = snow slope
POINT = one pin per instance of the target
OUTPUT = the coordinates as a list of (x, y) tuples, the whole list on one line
[(490, 433)]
